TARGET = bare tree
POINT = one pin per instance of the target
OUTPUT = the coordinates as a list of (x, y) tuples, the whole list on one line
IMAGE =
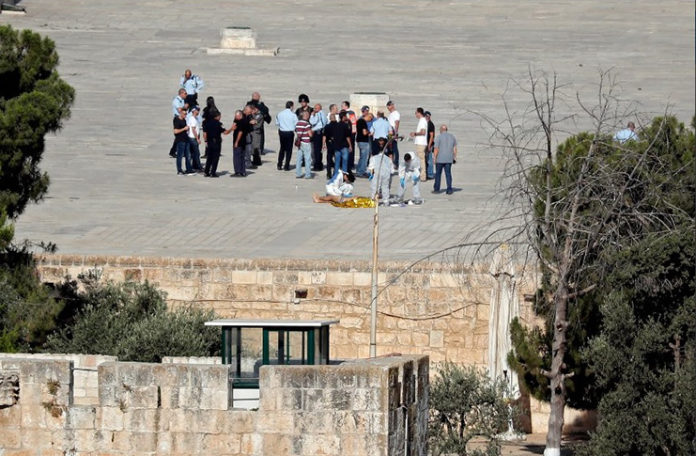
[(572, 202)]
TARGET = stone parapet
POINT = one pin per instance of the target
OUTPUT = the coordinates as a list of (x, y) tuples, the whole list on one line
[(361, 408)]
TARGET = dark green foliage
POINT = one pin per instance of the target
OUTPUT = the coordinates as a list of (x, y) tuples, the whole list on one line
[(636, 191), (645, 355), (131, 321), (33, 102), (28, 310), (465, 404)]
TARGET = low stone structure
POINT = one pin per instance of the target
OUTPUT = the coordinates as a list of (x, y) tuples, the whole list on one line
[(437, 309), (366, 407), (240, 41)]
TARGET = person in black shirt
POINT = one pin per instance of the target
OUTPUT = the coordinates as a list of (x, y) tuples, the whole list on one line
[(362, 140), (429, 165), (212, 134), (181, 142), (338, 134), (241, 131)]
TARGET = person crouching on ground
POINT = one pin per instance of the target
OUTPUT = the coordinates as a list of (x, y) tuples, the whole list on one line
[(409, 171), (338, 189)]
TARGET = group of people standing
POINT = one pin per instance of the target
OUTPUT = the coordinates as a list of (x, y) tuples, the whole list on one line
[(193, 126), (325, 141)]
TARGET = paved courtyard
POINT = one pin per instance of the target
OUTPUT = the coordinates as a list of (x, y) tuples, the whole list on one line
[(115, 191)]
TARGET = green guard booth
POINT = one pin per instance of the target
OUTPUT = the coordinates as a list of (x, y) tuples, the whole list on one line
[(250, 344)]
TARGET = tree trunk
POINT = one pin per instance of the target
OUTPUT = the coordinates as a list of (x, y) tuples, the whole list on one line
[(557, 376)]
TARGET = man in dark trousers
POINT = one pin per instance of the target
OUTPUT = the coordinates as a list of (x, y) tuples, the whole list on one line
[(241, 131), (212, 135), (181, 142), (256, 101), (286, 120), (338, 134)]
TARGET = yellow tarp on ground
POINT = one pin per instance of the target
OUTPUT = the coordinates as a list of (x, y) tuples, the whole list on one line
[(358, 201)]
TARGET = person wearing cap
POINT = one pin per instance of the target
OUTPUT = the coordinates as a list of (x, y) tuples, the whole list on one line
[(303, 100), (362, 141), (181, 142), (193, 84), (420, 136), (444, 155), (318, 121), (429, 165), (394, 121), (194, 139), (286, 120)]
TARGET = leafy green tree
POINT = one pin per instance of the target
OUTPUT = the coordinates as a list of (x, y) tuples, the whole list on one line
[(28, 309), (645, 355), (131, 321), (465, 404), (33, 102), (580, 203)]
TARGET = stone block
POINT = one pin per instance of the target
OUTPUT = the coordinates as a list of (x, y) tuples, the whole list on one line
[(87, 440), (251, 444), (186, 442), (279, 421), (38, 439), (10, 437), (144, 442), (264, 277), (10, 416), (362, 279), (239, 421), (276, 444), (221, 443), (141, 420), (437, 339), (81, 417), (110, 418), (339, 278), (309, 444)]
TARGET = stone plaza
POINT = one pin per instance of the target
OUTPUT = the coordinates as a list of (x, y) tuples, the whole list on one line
[(114, 190)]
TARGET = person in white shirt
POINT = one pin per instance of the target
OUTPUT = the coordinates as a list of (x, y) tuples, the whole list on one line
[(337, 189), (628, 133), (379, 170), (409, 171), (194, 139), (394, 119), (420, 136)]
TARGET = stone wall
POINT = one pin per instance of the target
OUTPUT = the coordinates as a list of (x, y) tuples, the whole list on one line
[(367, 407), (441, 310), (85, 384)]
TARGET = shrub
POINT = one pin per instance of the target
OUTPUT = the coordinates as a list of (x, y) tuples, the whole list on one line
[(464, 404), (131, 321)]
